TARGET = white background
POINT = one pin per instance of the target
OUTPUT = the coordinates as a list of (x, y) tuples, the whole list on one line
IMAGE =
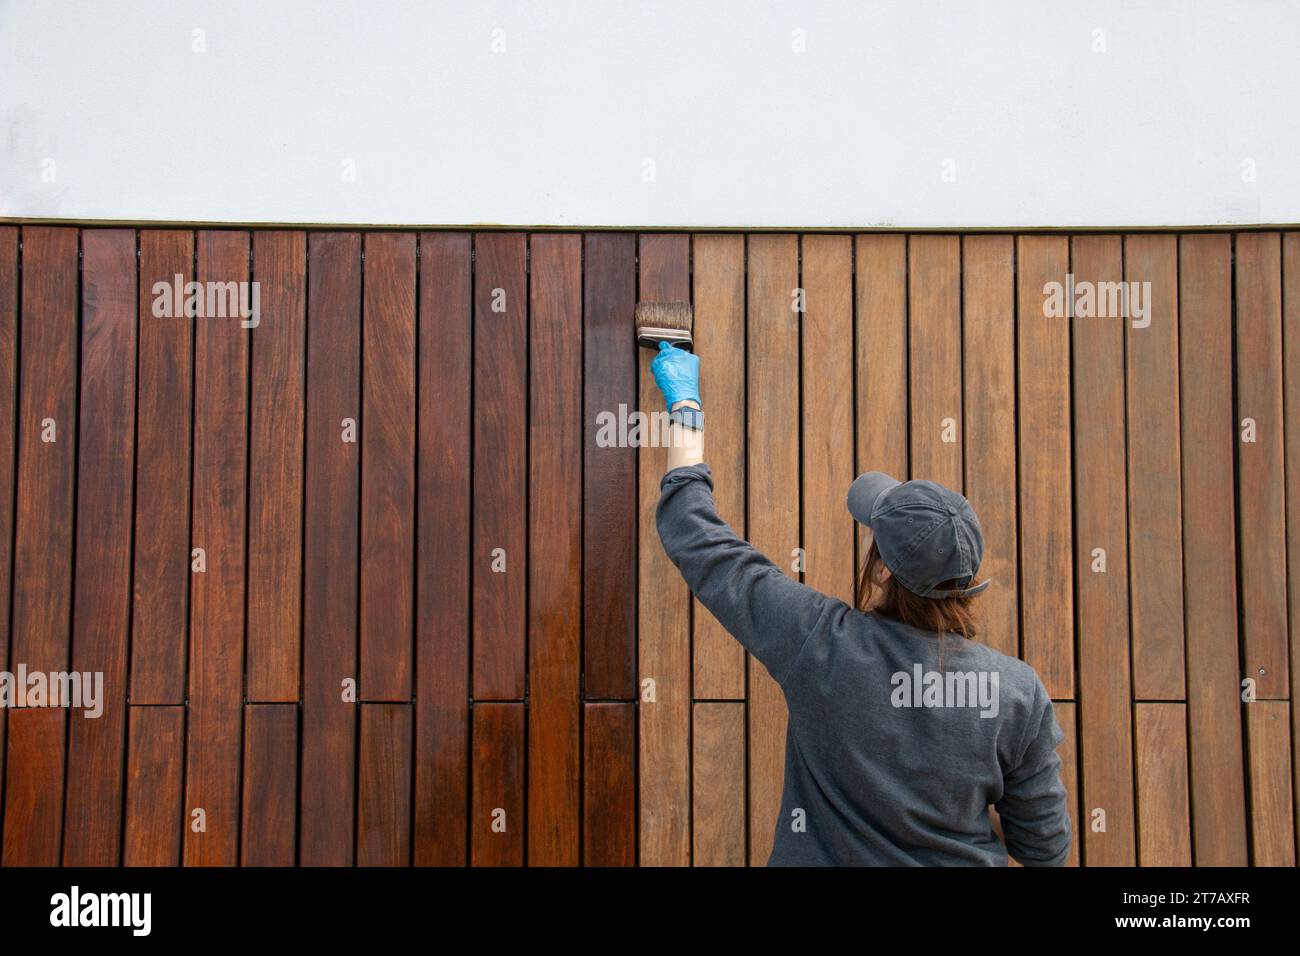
[(133, 123)]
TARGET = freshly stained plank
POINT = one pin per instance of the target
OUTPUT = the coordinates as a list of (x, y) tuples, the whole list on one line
[(1155, 504), (609, 470), (719, 291), (609, 785), (718, 784), (387, 466), (43, 522), (154, 777), (828, 441), (555, 551), (275, 467), (772, 344), (1272, 832), (1260, 482), (217, 594), (1164, 822), (1291, 381), (1209, 541), (1066, 715), (497, 791), (8, 407), (101, 608), (442, 552), (989, 378), (663, 601), (330, 535), (1101, 548), (934, 357), (499, 570), (1043, 399), (160, 615), (384, 785), (270, 796)]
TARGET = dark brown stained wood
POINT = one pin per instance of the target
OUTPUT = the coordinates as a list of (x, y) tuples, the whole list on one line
[(1101, 560), (330, 542), (1272, 830), (719, 297), (154, 777), (384, 785), (1209, 433), (882, 422), (161, 578), (33, 809), (270, 795), (609, 470), (216, 667), (828, 440), (275, 467), (663, 604), (1155, 502), (101, 608), (442, 553), (1067, 750), (1164, 821), (555, 552), (718, 788), (8, 414), (42, 533), (1043, 398), (989, 379), (608, 785), (934, 353), (1260, 480), (387, 466), (772, 345), (499, 567), (1291, 382), (497, 789)]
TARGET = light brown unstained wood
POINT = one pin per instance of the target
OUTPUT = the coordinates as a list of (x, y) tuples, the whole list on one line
[(934, 358), (718, 784), (1068, 750), (1272, 831), (1164, 814), (1291, 382)]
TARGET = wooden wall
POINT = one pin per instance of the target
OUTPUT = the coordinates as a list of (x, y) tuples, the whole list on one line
[(431, 622)]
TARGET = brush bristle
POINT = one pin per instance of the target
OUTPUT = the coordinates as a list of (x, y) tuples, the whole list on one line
[(664, 315)]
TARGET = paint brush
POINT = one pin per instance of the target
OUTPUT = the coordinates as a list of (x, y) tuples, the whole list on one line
[(669, 322)]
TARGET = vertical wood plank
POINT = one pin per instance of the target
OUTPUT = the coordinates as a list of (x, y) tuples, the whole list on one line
[(387, 466), (330, 544), (934, 355), (1262, 527), (1164, 820), (555, 551), (719, 290), (1101, 559), (275, 479), (609, 785), (500, 465), (718, 784), (989, 378), (161, 578), (213, 746), (1291, 383), (154, 777), (442, 553), (609, 499), (8, 444), (1272, 831), (270, 795), (1043, 400), (1209, 541), (772, 342), (663, 605), (102, 604), (384, 786), (34, 791), (497, 790), (828, 440), (1066, 719)]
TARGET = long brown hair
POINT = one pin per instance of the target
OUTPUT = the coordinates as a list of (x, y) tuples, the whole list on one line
[(950, 615)]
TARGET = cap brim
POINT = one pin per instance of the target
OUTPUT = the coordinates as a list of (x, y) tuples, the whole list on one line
[(866, 491)]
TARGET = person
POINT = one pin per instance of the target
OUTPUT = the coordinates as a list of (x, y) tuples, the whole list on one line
[(902, 730)]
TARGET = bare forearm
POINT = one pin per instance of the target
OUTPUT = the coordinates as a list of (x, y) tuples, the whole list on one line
[(685, 445)]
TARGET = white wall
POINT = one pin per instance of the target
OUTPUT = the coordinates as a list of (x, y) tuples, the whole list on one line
[(134, 124)]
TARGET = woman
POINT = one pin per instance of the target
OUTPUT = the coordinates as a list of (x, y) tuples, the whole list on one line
[(902, 729)]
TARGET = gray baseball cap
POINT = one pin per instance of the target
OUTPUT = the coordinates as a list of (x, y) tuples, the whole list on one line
[(925, 533)]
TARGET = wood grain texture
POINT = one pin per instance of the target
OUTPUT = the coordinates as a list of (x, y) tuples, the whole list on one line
[(718, 784), (1164, 816), (1272, 830), (269, 802), (497, 824), (1067, 719), (1291, 397), (8, 442), (609, 832), (384, 786), (33, 799), (934, 358), (154, 780)]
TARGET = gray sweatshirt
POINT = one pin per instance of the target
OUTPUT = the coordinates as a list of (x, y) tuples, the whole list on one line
[(889, 760)]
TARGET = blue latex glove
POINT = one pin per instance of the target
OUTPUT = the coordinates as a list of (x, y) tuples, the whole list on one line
[(677, 373)]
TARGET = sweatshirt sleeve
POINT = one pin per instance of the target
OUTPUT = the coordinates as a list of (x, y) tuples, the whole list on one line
[(771, 614), (1035, 821)]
